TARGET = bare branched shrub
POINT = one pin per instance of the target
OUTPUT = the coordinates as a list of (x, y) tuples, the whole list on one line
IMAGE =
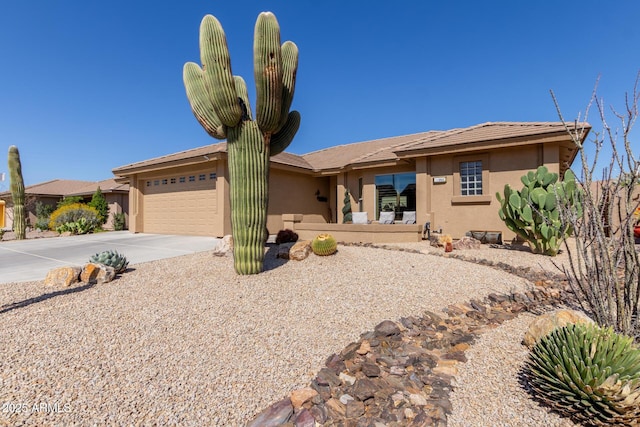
[(604, 269)]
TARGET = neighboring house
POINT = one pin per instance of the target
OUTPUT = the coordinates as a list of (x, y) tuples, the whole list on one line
[(51, 192), (449, 178)]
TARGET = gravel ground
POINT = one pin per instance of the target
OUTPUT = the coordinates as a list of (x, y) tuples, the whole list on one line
[(185, 341), (487, 391)]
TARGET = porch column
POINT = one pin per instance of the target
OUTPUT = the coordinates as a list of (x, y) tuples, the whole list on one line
[(341, 185)]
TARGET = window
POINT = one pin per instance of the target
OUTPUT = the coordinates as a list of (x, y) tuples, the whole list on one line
[(173, 180), (192, 178), (148, 183), (164, 181), (471, 178), (212, 176), (202, 177), (156, 182), (395, 193), (183, 179)]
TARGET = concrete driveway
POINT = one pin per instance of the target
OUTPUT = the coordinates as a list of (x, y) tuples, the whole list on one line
[(28, 260)]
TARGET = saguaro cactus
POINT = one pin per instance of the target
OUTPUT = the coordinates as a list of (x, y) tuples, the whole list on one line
[(220, 102), (17, 192)]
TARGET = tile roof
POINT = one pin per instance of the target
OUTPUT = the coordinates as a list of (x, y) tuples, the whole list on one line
[(56, 187), (490, 131), (288, 159), (106, 186), (373, 152), (361, 152)]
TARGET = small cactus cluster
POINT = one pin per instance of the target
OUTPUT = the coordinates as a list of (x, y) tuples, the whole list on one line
[(534, 212), (324, 244), (111, 258), (589, 373)]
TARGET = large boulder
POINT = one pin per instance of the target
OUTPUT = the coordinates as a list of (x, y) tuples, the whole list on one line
[(467, 242), (97, 273), (545, 323), (300, 250), (63, 276)]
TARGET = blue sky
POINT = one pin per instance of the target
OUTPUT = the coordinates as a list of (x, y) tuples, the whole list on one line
[(86, 86)]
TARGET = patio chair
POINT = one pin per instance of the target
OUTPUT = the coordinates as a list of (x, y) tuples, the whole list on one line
[(359, 218), (409, 217), (387, 217)]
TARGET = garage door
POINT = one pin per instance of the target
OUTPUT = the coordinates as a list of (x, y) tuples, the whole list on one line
[(182, 204)]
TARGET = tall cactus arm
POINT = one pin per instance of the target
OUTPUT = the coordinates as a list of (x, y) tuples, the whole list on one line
[(201, 106), (243, 97), (267, 60), (17, 192), (281, 140), (216, 64), (289, 71)]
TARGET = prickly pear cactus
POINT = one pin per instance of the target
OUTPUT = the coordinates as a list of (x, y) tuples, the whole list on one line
[(534, 212), (324, 244), (112, 259), (220, 102), (17, 193)]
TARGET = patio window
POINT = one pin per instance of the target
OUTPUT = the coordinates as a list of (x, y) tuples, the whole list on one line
[(395, 193), (471, 178)]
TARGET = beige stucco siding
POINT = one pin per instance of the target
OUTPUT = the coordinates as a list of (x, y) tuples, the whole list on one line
[(178, 201), (294, 193)]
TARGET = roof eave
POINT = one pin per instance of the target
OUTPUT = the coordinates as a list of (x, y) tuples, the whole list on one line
[(483, 145), (125, 171)]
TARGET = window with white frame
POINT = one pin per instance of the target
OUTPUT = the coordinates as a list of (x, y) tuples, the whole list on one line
[(471, 178)]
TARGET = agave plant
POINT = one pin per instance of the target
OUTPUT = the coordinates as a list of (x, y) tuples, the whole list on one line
[(589, 373), (112, 259)]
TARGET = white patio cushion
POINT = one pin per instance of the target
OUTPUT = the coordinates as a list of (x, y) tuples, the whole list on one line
[(387, 217), (409, 217), (360, 218)]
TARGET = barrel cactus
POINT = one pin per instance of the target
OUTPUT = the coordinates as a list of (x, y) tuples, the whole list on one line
[(534, 212), (324, 244), (220, 103), (17, 193), (112, 259), (589, 373)]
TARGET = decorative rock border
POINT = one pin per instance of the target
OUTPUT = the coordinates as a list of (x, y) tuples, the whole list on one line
[(400, 374)]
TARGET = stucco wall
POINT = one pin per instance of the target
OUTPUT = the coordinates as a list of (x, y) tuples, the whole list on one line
[(291, 193)]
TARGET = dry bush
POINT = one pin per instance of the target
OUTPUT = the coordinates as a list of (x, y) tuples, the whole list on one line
[(604, 269)]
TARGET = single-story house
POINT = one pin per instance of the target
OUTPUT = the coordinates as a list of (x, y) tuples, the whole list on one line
[(51, 192), (448, 178)]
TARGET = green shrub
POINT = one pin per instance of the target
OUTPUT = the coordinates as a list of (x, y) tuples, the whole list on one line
[(589, 373), (119, 221), (99, 203), (43, 212), (534, 213), (77, 218), (69, 200)]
